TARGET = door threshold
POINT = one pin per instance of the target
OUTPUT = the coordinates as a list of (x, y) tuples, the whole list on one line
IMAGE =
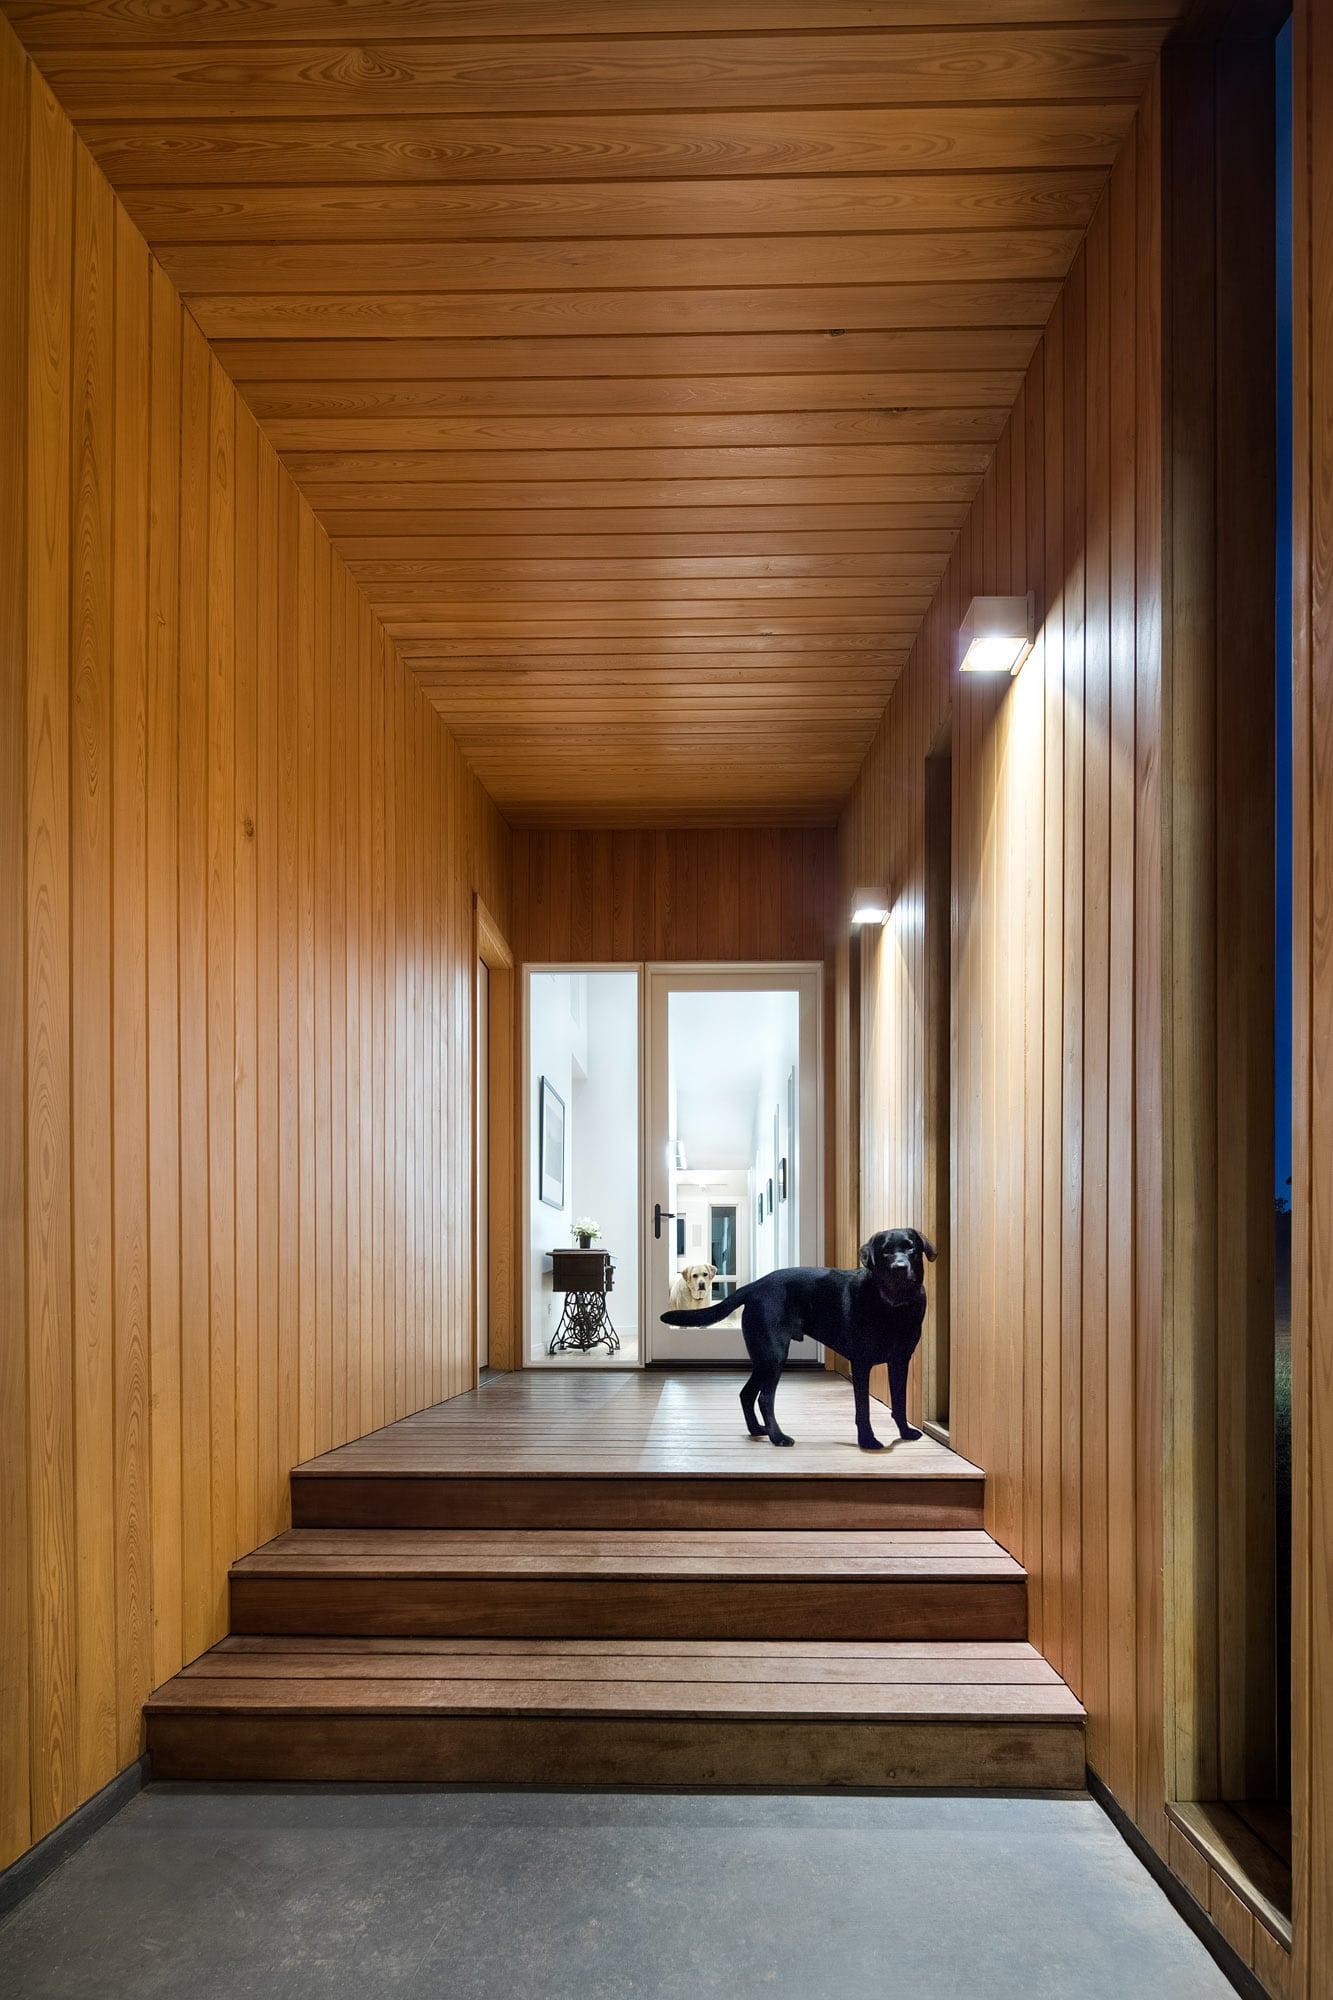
[(727, 1367)]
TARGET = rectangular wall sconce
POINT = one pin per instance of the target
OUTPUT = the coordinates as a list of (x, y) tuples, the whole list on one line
[(996, 635), (870, 906)]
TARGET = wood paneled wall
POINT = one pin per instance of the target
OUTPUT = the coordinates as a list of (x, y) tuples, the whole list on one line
[(237, 856), (712, 893), (1061, 1364), (1056, 1198)]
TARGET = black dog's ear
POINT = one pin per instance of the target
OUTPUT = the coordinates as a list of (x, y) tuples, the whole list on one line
[(865, 1256), (924, 1245)]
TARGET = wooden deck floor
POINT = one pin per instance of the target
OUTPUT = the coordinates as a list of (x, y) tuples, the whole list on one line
[(682, 1424), (638, 1451)]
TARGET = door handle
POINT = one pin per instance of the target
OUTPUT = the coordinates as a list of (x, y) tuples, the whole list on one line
[(659, 1215)]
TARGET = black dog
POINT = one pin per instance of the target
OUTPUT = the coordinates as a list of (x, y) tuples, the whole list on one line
[(869, 1316)]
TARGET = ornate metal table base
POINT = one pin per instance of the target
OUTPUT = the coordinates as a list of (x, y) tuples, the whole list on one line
[(584, 1324)]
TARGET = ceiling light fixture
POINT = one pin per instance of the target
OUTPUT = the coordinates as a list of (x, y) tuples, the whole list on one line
[(996, 635)]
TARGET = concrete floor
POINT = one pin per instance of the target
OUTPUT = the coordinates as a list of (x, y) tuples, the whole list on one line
[(211, 1893)]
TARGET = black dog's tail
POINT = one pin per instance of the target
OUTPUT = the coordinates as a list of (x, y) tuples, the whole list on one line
[(708, 1315)]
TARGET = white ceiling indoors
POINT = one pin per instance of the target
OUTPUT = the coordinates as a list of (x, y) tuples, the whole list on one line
[(724, 1048)]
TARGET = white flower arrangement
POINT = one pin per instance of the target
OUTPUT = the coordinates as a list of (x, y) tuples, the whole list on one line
[(586, 1226)]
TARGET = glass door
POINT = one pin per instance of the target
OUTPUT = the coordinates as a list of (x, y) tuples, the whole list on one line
[(734, 1163)]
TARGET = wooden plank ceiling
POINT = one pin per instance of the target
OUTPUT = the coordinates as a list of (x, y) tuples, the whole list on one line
[(640, 356)]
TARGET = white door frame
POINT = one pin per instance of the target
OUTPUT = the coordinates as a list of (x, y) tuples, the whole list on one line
[(804, 976)]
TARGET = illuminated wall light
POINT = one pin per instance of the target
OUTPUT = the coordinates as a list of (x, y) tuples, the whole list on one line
[(996, 635), (870, 906)]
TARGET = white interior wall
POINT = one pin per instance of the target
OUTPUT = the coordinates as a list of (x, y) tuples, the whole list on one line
[(555, 1040), (764, 1170), (775, 1239), (583, 1034), (605, 1136)]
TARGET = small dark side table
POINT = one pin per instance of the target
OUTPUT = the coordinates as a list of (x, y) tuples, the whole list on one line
[(585, 1277)]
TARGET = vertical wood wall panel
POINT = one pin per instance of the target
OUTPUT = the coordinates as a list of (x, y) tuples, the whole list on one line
[(269, 1402), (203, 1250), (710, 893), (164, 1238), (53, 1632), (14, 1548), (1057, 1014), (245, 734), (91, 420), (220, 954), (1148, 1388), (129, 998), (198, 1585)]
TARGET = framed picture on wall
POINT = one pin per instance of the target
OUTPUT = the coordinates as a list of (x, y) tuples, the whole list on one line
[(551, 1145), (782, 1179)]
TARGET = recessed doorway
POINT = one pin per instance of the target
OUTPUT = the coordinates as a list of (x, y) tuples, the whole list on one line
[(677, 1110)]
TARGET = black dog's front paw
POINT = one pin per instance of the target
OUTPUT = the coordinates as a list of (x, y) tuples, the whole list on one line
[(868, 1442), (907, 1434), (782, 1438)]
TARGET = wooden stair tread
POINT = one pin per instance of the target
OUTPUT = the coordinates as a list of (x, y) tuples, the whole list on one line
[(901, 1682), (775, 1555), (634, 1452), (510, 1647), (522, 1427), (320, 1697), (618, 1458), (328, 1496), (286, 1656)]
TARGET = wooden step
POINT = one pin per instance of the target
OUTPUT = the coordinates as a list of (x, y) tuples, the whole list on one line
[(326, 1495), (634, 1451), (884, 1584), (620, 1712)]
